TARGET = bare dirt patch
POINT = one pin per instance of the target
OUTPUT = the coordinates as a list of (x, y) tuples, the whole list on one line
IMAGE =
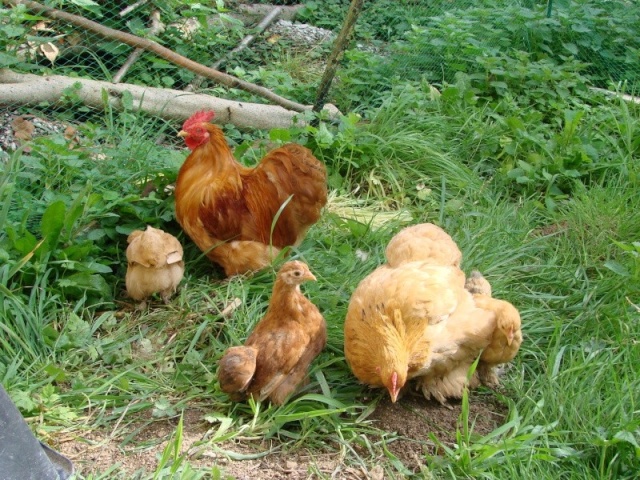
[(138, 447), (414, 420)]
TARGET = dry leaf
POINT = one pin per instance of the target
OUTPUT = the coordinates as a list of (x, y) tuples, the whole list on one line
[(74, 39), (274, 38), (231, 307), (42, 26), (70, 133), (50, 51), (22, 129)]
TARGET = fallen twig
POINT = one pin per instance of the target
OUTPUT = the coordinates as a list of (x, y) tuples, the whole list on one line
[(132, 7), (246, 41), (624, 96), (154, 29)]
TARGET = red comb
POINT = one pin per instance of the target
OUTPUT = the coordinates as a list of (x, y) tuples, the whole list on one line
[(203, 116)]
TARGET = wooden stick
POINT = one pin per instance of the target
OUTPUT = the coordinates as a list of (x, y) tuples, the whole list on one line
[(178, 105), (155, 28), (336, 53), (167, 54), (131, 8), (246, 41)]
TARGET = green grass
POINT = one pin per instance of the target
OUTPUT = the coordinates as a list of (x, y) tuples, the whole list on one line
[(572, 391)]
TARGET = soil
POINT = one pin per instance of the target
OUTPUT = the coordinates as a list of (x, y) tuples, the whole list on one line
[(406, 429)]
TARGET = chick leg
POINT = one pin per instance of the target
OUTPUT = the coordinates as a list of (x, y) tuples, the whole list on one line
[(166, 295)]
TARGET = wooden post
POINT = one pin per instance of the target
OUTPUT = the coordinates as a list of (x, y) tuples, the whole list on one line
[(336, 54)]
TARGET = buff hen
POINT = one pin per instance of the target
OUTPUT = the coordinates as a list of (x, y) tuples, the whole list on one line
[(242, 217), (154, 264), (415, 321), (507, 336), (274, 360)]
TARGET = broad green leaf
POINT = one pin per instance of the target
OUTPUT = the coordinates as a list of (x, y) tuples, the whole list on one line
[(52, 223), (617, 268)]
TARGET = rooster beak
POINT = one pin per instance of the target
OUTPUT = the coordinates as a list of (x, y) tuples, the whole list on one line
[(182, 133)]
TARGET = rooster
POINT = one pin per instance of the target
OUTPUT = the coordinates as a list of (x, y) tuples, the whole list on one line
[(242, 217)]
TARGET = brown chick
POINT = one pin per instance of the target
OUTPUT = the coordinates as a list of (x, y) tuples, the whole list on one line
[(414, 321), (154, 264), (507, 336), (423, 242), (282, 345)]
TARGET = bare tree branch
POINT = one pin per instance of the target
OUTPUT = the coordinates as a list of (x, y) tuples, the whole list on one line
[(132, 7), (161, 51), (156, 27), (28, 89), (246, 41), (336, 53)]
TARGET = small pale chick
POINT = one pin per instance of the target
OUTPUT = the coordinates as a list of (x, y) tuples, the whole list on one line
[(274, 360), (507, 337), (154, 265), (424, 242)]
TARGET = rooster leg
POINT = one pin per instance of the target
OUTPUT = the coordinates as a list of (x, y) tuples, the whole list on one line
[(240, 256)]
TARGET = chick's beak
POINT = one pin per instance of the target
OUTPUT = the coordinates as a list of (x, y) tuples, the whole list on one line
[(182, 133), (310, 276)]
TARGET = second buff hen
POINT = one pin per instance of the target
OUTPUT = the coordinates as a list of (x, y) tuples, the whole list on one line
[(274, 360), (154, 264), (412, 318), (507, 336)]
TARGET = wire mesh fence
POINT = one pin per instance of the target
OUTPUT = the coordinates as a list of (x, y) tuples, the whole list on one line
[(448, 37), (395, 41)]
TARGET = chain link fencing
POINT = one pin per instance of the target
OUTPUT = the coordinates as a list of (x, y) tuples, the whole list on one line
[(395, 41), (447, 37)]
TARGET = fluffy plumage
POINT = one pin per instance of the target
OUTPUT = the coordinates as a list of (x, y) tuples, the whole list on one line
[(274, 361), (412, 319), (154, 264), (423, 242), (228, 209)]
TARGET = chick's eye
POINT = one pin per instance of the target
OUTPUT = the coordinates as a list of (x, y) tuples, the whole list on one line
[(297, 273)]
